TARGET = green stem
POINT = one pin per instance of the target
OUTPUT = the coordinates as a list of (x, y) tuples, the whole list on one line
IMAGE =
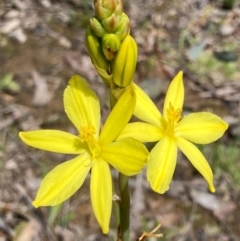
[(116, 210), (124, 207)]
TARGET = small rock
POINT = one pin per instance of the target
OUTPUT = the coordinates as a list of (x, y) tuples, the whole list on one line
[(3, 41), (21, 5), (9, 26), (46, 3), (226, 29), (63, 16), (11, 164), (205, 199), (33, 183), (64, 42), (12, 14), (19, 35), (42, 95)]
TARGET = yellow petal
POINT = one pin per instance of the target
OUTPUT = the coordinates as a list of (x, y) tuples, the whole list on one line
[(201, 127), (53, 140), (119, 117), (101, 193), (197, 159), (145, 109), (81, 104), (63, 181), (175, 94), (143, 132), (128, 156), (161, 164)]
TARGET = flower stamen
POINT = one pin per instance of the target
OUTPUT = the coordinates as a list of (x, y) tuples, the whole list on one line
[(173, 116), (87, 135), (87, 132)]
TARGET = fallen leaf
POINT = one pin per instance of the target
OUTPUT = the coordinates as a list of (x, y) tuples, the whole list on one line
[(204, 199), (212, 203)]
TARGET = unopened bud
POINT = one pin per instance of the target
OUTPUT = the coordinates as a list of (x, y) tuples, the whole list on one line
[(97, 27), (123, 28), (111, 23), (94, 47), (124, 63), (105, 8), (110, 45)]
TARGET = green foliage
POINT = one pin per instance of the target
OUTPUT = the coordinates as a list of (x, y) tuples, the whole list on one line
[(228, 4), (8, 83), (225, 159), (66, 218), (207, 65), (53, 214)]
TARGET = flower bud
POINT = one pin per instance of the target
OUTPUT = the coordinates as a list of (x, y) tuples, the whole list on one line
[(111, 23), (97, 27), (123, 27), (110, 45), (94, 47), (124, 63), (105, 8)]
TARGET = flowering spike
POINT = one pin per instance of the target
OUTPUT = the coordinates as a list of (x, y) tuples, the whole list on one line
[(124, 64)]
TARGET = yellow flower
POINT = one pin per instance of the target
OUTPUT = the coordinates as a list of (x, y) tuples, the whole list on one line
[(173, 131), (95, 151)]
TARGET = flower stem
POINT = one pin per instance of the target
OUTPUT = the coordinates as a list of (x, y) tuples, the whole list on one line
[(124, 207)]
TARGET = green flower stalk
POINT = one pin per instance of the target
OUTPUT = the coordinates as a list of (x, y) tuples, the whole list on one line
[(108, 36)]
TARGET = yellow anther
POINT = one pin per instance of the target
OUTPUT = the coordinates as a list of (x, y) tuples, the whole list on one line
[(173, 116), (87, 132), (87, 135)]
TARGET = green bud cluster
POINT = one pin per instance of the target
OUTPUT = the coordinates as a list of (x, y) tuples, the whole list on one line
[(110, 24), (112, 50)]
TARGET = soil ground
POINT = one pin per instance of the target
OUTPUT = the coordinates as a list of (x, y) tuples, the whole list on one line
[(42, 46)]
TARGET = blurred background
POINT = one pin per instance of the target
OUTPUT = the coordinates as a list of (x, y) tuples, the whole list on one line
[(42, 46)]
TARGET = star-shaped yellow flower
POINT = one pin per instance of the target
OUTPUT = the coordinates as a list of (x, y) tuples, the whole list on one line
[(173, 131), (95, 150)]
